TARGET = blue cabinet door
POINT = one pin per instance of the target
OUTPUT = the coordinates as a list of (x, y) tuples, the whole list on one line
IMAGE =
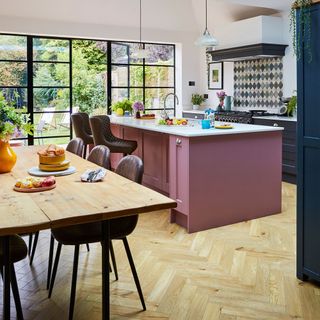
[(308, 198)]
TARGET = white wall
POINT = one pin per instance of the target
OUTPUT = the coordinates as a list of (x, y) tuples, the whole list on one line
[(248, 33), (187, 54)]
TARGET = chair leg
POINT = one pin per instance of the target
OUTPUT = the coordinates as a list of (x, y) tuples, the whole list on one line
[(15, 292), (113, 258), (74, 281), (55, 268), (88, 248), (85, 151), (134, 272), (50, 260), (30, 243), (34, 246)]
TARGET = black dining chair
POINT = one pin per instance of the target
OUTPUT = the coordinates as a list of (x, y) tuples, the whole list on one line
[(82, 129), (75, 146), (102, 135), (130, 167), (17, 251)]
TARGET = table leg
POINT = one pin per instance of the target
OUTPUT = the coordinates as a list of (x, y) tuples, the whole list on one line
[(105, 270), (6, 278)]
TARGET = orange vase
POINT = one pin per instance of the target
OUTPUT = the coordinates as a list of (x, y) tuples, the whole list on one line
[(7, 157)]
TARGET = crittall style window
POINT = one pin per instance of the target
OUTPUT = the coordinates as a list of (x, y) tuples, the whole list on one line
[(52, 77)]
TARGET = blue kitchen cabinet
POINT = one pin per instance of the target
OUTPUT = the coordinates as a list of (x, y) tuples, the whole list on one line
[(308, 178)]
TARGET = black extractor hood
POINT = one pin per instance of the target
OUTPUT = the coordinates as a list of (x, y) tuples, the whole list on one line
[(249, 52)]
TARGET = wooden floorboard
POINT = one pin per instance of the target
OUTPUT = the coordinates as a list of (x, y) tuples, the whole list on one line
[(239, 272)]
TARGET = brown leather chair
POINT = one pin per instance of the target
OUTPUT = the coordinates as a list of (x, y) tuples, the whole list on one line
[(130, 167), (81, 127), (17, 251), (100, 155), (76, 146), (102, 135)]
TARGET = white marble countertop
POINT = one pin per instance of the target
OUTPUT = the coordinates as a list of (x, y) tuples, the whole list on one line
[(194, 111), (277, 118), (193, 129)]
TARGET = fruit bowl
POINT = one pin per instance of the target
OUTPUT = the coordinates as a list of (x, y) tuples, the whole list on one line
[(173, 122)]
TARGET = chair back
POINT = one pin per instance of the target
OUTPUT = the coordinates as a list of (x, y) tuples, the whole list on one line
[(101, 130), (76, 146), (81, 127), (130, 167), (100, 155)]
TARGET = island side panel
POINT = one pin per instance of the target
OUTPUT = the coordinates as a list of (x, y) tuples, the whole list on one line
[(234, 178)]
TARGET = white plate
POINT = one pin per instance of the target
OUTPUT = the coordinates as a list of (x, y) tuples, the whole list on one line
[(35, 171)]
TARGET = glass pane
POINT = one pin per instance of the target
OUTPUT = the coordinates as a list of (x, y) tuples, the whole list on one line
[(119, 76), (89, 75), (58, 140), (124, 53), (155, 98), (17, 96), (56, 99), (50, 49), (160, 54), (136, 94), (119, 94), (13, 74), (159, 76), (51, 124), (136, 76), (50, 74), (13, 48)]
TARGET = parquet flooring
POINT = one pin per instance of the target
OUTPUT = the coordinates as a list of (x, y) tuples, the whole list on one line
[(238, 272)]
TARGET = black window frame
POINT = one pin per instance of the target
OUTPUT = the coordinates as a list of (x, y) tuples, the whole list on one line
[(30, 87)]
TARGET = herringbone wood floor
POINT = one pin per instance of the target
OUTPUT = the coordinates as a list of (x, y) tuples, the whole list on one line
[(242, 271)]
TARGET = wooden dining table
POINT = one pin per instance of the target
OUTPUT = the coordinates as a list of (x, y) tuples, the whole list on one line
[(71, 202)]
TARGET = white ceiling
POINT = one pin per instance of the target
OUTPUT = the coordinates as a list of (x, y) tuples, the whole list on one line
[(157, 14)]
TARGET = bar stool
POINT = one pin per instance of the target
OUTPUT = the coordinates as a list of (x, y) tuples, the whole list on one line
[(81, 126), (102, 135)]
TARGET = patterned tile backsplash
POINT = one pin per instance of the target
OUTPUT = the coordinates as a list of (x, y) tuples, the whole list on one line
[(258, 84)]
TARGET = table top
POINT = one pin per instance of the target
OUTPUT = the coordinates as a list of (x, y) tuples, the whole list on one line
[(72, 201)]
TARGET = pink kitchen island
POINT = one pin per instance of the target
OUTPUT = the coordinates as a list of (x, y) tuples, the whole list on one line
[(217, 176)]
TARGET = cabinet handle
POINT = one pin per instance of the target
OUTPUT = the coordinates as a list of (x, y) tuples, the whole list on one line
[(178, 142), (275, 125)]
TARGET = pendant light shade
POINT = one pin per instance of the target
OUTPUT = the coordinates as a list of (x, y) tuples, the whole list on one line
[(206, 40), (141, 53)]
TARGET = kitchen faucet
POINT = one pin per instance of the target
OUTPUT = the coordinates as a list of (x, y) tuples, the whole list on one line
[(164, 113)]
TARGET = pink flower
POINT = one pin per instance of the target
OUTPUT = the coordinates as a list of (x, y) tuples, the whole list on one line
[(138, 106), (221, 94)]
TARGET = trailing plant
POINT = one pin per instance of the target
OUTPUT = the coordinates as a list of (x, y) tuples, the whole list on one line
[(292, 106), (197, 99), (301, 33)]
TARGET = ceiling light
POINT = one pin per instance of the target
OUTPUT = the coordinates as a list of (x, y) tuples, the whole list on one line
[(141, 52), (206, 40)]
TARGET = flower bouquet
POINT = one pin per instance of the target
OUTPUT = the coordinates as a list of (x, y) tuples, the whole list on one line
[(12, 122), (12, 125), (137, 107)]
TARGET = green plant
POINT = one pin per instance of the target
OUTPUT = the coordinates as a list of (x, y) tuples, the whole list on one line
[(197, 99), (12, 122), (125, 105), (292, 106), (301, 33)]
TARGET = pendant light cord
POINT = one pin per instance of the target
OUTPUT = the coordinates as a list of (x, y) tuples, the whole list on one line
[(206, 15), (140, 21)]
